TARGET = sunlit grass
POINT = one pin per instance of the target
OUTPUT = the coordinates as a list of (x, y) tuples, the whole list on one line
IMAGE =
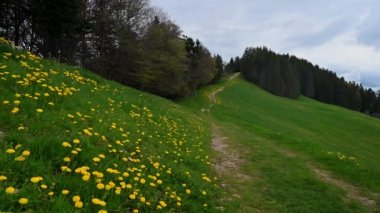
[(75, 141)]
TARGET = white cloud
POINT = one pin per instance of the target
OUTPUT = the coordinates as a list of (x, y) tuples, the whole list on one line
[(346, 56)]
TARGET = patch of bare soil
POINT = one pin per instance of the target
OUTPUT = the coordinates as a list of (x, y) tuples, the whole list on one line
[(228, 166), (352, 192), (229, 161)]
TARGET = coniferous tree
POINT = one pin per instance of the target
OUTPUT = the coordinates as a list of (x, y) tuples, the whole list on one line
[(377, 104), (219, 68)]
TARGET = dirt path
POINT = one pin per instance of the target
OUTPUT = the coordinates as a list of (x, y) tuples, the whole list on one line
[(229, 161), (352, 192), (212, 96)]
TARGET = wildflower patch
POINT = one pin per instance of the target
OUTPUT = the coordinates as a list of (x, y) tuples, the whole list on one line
[(77, 141)]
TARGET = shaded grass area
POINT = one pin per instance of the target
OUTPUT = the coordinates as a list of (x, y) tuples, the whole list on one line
[(341, 141)]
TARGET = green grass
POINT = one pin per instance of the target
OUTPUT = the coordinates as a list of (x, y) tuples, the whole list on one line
[(142, 146), (272, 128), (138, 145)]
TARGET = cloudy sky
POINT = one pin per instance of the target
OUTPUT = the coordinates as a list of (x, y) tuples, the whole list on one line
[(341, 35)]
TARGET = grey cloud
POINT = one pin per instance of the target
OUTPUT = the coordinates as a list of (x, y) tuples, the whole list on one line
[(369, 32)]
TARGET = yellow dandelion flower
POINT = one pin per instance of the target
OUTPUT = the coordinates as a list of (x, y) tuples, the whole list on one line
[(76, 198), (118, 190), (142, 180), (188, 191), (21, 128), (78, 204), (23, 201), (142, 199), (25, 153), (44, 186), (96, 159), (65, 169), (20, 158), (51, 193), (135, 211), (98, 174), (132, 196), (99, 202), (156, 165), (10, 190), (102, 211), (39, 110), (65, 191), (110, 185), (86, 177), (76, 141), (163, 204), (15, 110), (17, 102), (87, 132), (5, 102), (100, 186), (66, 144), (36, 179), (66, 159), (2, 177), (10, 151)]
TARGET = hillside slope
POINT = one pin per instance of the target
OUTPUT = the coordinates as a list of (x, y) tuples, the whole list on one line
[(296, 155), (70, 140)]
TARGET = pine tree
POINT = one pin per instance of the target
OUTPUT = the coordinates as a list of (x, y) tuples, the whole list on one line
[(219, 68)]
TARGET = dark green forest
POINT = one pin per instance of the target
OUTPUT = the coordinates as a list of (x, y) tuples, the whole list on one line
[(136, 44), (289, 76)]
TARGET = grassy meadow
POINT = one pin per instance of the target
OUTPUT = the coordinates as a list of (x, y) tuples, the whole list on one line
[(281, 141), (73, 142)]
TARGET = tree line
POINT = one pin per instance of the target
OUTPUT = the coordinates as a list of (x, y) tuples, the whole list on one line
[(128, 41), (289, 76)]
